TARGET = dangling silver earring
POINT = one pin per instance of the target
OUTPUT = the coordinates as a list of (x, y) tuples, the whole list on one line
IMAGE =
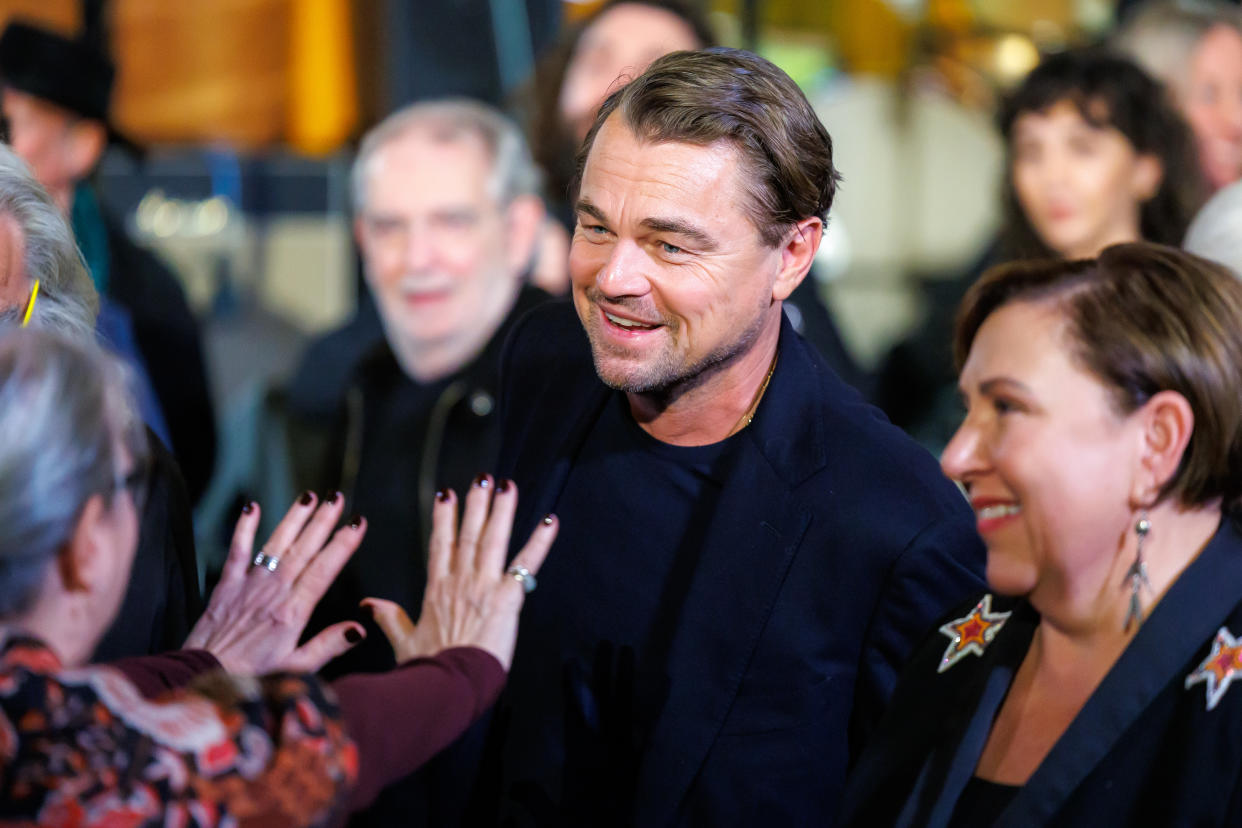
[(1138, 574)]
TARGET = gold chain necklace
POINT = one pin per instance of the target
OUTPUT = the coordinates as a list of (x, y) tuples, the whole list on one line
[(754, 406)]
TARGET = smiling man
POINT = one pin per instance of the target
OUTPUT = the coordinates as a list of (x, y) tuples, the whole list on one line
[(747, 550), (446, 205)]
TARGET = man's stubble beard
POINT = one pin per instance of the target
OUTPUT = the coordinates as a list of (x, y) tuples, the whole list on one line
[(665, 378)]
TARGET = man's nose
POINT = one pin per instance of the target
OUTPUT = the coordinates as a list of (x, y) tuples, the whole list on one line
[(420, 249), (623, 273)]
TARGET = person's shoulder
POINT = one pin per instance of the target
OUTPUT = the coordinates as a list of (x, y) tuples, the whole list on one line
[(547, 340), (318, 385), (550, 328), (546, 372), (862, 446)]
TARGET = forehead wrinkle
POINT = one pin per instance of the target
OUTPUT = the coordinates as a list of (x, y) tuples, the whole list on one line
[(715, 167)]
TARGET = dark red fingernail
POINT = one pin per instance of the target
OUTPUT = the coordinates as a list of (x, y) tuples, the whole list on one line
[(355, 522), (332, 498), (307, 498), (442, 495), (353, 636), (548, 520), (483, 481), (248, 509), (503, 485)]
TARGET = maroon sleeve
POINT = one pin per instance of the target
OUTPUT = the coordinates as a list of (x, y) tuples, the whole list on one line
[(154, 675), (402, 718)]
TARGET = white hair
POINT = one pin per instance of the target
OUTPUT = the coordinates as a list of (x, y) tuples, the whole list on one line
[(513, 170), (1216, 231), (67, 300), (1161, 35), (64, 410)]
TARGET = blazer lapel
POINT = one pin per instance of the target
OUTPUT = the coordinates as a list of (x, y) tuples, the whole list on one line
[(751, 543), (1187, 617), (968, 711), (745, 556)]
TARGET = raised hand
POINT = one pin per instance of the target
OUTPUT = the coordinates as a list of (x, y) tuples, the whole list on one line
[(261, 605), (472, 599)]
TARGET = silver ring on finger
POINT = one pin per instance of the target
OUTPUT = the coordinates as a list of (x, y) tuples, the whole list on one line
[(523, 576), (268, 562)]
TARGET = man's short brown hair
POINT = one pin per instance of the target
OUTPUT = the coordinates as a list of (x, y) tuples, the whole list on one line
[(1144, 318), (738, 97)]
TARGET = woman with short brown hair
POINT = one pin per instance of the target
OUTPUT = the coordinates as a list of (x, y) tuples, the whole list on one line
[(1102, 452)]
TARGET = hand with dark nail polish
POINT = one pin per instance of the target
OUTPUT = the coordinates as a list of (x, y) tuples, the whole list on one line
[(257, 614), (472, 597)]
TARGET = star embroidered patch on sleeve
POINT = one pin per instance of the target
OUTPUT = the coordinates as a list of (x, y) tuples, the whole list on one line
[(1222, 665), (972, 632)]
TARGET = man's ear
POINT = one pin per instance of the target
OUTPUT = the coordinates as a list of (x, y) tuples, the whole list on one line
[(797, 253), (523, 220), (84, 146), (82, 560), (1165, 425)]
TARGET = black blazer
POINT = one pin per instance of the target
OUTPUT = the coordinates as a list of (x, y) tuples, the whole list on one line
[(1144, 750), (836, 542)]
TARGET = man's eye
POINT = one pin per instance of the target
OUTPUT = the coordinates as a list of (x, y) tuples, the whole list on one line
[(670, 249), (386, 226), (456, 221)]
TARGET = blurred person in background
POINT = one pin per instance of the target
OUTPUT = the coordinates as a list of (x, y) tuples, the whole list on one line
[(490, 181), (43, 284), (1102, 451), (1195, 49), (1216, 232), (446, 214), (611, 47), (173, 738), (1096, 154), (55, 98)]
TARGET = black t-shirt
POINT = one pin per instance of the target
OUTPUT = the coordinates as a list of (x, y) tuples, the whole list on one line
[(583, 699)]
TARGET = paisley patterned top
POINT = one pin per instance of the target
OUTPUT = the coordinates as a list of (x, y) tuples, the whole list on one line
[(82, 747)]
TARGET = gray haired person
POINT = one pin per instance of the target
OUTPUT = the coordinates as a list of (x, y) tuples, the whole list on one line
[(223, 748), (39, 248), (44, 285), (513, 170), (447, 214), (1194, 47)]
